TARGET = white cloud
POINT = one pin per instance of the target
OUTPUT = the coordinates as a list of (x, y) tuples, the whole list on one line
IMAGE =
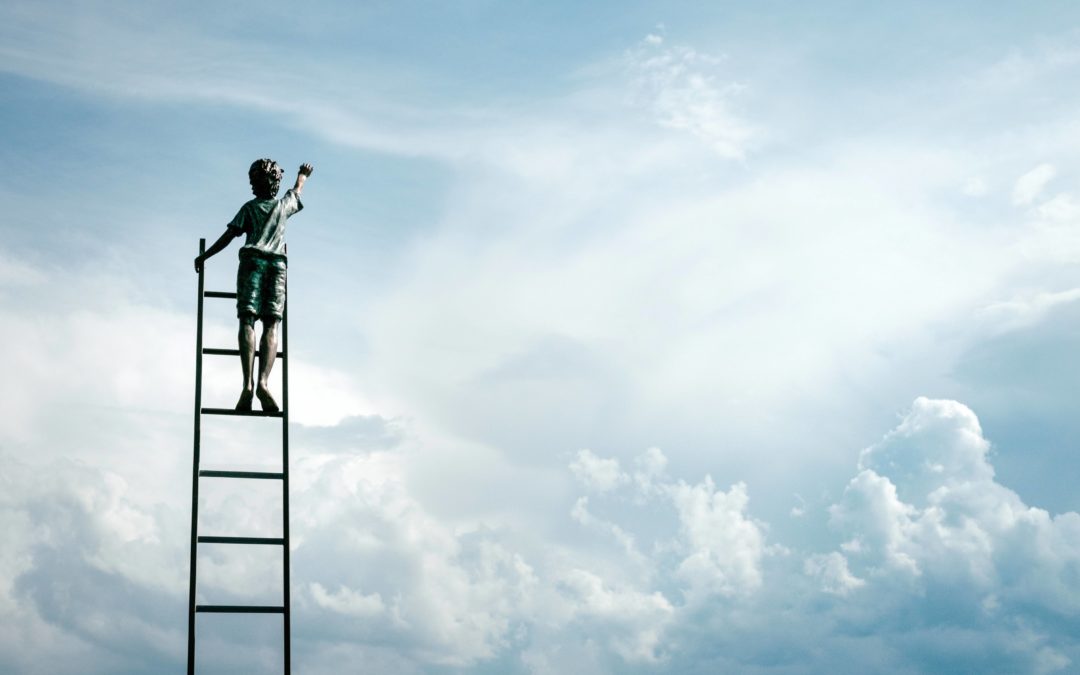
[(1024, 66), (649, 471), (373, 566), (1026, 311), (74, 539), (1029, 186), (832, 571), (939, 443), (581, 514), (680, 87), (695, 332), (637, 618), (323, 396), (1059, 208), (723, 546), (600, 475), (16, 273), (453, 597), (348, 601), (927, 504), (974, 187)]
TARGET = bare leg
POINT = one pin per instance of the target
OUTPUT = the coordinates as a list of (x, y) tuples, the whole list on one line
[(246, 339), (267, 354)]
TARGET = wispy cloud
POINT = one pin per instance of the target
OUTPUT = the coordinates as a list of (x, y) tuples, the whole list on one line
[(686, 90), (1029, 186)]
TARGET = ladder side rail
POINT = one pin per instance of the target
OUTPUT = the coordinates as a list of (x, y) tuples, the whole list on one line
[(286, 601), (195, 469)]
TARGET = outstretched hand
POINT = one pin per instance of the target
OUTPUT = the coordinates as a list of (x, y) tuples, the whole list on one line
[(306, 169)]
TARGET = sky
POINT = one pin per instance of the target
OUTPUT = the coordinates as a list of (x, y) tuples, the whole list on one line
[(625, 338)]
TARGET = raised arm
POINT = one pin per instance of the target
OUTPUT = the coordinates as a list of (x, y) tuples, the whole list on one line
[(301, 176), (217, 247)]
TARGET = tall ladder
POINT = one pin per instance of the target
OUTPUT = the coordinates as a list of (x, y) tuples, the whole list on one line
[(197, 473)]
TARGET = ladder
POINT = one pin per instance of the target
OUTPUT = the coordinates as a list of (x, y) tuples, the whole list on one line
[(197, 473)]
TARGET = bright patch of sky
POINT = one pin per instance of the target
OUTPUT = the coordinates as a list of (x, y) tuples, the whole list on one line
[(625, 338)]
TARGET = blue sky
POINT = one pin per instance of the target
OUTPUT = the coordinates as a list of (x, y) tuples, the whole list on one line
[(626, 338)]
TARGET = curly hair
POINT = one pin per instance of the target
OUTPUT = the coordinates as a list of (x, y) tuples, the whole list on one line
[(265, 176)]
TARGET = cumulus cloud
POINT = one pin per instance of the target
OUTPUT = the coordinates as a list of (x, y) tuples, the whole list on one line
[(601, 475), (832, 571), (720, 547), (947, 564), (637, 618), (925, 536), (582, 515), (926, 515), (456, 597), (88, 573), (723, 546), (461, 598)]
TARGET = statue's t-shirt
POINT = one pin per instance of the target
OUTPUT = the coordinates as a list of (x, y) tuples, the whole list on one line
[(263, 221)]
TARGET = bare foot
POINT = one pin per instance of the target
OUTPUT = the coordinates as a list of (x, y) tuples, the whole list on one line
[(267, 401), (244, 404)]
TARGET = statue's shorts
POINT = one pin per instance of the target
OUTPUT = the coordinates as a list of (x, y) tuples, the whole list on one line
[(260, 285)]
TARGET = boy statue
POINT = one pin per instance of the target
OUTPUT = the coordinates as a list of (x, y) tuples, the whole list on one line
[(260, 278)]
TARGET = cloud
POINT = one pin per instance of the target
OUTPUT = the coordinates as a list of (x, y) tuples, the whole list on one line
[(938, 566), (939, 443), (448, 598), (581, 514), (1023, 66), (832, 571), (1028, 311), (1059, 208), (719, 547), (637, 619), (925, 514), (974, 187), (347, 601), (87, 570), (1029, 186), (600, 475), (681, 87), (723, 547), (935, 561)]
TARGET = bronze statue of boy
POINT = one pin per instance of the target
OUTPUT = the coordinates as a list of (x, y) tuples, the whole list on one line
[(260, 278)]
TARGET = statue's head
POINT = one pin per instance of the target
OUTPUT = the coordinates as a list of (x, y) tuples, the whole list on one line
[(265, 176)]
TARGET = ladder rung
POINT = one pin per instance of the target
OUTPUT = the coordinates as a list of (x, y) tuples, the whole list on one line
[(278, 541), (241, 609), (209, 473), (240, 413), (219, 294), (231, 352)]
